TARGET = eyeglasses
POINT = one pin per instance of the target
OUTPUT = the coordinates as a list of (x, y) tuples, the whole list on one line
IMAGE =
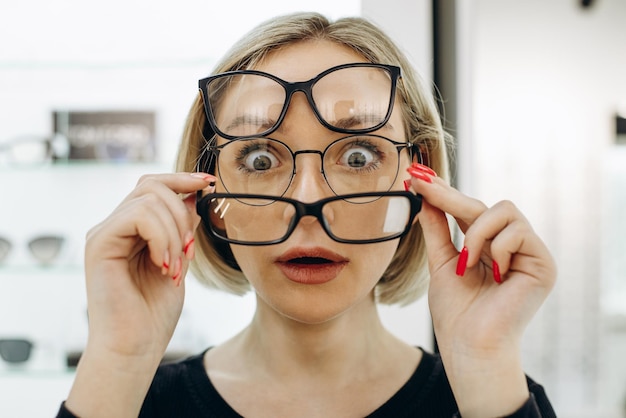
[(348, 98), (45, 249), (33, 150), (15, 350), (360, 218), (353, 164)]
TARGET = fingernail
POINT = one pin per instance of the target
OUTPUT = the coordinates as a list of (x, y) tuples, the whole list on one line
[(166, 263), (189, 246), (178, 267), (202, 176), (461, 265), (419, 175), (424, 168), (407, 185), (496, 272)]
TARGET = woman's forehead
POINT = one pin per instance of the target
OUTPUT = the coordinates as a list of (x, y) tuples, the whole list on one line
[(304, 60)]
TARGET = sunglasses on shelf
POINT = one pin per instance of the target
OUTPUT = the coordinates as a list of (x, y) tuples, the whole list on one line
[(33, 150), (15, 350), (45, 249)]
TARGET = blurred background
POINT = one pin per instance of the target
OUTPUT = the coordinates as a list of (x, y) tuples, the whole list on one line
[(94, 94)]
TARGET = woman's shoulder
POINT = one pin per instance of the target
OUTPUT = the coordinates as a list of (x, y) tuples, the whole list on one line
[(426, 392), (183, 388)]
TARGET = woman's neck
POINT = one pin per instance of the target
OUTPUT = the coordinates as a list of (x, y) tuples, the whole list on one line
[(276, 346)]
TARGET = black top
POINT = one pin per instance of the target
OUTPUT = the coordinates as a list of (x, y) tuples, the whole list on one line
[(183, 389)]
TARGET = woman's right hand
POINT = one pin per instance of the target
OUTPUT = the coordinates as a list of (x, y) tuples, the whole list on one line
[(135, 262)]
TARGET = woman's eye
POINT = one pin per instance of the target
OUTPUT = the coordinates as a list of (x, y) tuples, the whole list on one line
[(260, 160), (357, 157)]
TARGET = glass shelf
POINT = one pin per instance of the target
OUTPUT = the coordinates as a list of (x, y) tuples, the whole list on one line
[(35, 270), (67, 165)]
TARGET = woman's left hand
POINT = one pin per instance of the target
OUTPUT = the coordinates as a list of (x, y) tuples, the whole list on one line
[(482, 298)]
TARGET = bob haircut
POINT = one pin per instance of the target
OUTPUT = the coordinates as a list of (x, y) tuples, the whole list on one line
[(406, 278)]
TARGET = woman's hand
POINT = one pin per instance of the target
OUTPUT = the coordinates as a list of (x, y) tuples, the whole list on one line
[(482, 298), (135, 261)]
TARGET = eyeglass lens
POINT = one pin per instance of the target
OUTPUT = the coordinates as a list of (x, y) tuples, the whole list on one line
[(5, 249), (46, 248), (251, 220), (358, 163), (348, 99), (15, 350)]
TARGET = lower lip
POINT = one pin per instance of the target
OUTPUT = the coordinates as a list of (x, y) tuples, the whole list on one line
[(311, 273)]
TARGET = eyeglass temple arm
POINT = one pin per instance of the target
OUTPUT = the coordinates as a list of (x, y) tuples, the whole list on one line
[(419, 152)]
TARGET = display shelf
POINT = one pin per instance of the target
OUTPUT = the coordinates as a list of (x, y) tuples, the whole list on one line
[(62, 165), (6, 271)]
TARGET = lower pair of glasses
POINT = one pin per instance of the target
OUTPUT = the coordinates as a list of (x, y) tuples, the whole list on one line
[(45, 248)]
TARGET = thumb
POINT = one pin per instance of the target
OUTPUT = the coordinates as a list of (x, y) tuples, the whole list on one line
[(439, 246)]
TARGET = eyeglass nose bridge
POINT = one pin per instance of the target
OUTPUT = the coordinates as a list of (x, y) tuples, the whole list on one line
[(313, 209), (306, 87), (309, 151)]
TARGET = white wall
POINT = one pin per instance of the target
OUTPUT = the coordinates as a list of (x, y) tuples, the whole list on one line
[(121, 54), (543, 80)]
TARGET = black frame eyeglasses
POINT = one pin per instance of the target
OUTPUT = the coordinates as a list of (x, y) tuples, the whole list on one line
[(214, 88), (351, 164), (359, 218)]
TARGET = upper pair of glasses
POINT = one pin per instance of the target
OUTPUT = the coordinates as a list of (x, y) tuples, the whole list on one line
[(351, 98)]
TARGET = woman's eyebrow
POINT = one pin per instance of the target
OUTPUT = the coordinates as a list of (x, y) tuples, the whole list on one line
[(247, 119), (360, 119)]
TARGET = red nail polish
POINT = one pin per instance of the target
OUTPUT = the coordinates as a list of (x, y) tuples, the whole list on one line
[(424, 168), (407, 185), (461, 265), (166, 263), (496, 272), (420, 175), (179, 268), (188, 250)]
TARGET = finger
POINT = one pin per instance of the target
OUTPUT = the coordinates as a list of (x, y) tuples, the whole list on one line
[(183, 208), (180, 183), (182, 214), (156, 217), (514, 244), (507, 243), (441, 195), (152, 221), (436, 229)]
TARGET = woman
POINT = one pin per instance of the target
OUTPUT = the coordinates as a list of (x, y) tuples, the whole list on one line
[(348, 159)]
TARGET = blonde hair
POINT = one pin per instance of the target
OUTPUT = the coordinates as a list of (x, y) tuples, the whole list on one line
[(406, 278)]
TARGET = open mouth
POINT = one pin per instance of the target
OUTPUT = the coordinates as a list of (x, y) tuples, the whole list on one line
[(311, 265), (309, 260)]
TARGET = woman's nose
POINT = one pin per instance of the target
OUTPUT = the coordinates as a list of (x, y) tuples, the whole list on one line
[(308, 184)]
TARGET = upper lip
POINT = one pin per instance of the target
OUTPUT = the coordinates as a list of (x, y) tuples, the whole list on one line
[(312, 254)]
